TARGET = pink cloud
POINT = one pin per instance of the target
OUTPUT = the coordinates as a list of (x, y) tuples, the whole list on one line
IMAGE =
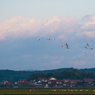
[(19, 26), (62, 37), (63, 27), (88, 27)]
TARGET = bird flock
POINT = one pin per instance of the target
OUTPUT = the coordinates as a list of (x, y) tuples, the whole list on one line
[(47, 39), (87, 47), (67, 47)]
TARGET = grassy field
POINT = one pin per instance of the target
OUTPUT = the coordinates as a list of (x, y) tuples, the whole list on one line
[(48, 91)]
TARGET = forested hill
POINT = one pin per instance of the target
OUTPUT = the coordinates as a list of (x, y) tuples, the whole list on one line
[(71, 69), (15, 75)]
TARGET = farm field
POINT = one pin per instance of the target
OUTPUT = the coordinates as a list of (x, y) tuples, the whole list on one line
[(47, 91)]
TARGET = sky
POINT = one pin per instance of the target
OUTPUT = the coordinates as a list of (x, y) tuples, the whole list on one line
[(22, 22)]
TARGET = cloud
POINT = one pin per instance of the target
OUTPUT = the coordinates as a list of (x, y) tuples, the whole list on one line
[(54, 57), (19, 26), (88, 26), (79, 63), (51, 57), (63, 28), (55, 62), (21, 57), (27, 56)]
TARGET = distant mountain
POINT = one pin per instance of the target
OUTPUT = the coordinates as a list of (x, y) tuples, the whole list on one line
[(15, 75)]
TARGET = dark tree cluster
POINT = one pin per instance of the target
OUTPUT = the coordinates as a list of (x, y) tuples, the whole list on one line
[(67, 74)]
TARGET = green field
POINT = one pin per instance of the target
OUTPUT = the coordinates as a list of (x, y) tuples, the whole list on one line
[(47, 91)]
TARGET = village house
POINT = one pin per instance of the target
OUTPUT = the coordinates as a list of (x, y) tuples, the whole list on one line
[(51, 82), (74, 82), (57, 83), (7, 83), (29, 83), (43, 79), (88, 80), (66, 82), (21, 82), (15, 84), (4, 82)]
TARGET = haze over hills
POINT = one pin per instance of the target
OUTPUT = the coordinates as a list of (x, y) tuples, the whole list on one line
[(29, 70), (63, 69)]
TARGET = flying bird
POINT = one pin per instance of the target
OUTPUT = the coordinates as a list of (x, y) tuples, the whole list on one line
[(67, 47), (48, 39), (87, 44), (53, 38), (66, 44), (38, 39), (91, 48), (83, 51), (61, 46)]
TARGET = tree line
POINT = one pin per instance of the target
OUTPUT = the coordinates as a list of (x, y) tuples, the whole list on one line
[(67, 74)]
